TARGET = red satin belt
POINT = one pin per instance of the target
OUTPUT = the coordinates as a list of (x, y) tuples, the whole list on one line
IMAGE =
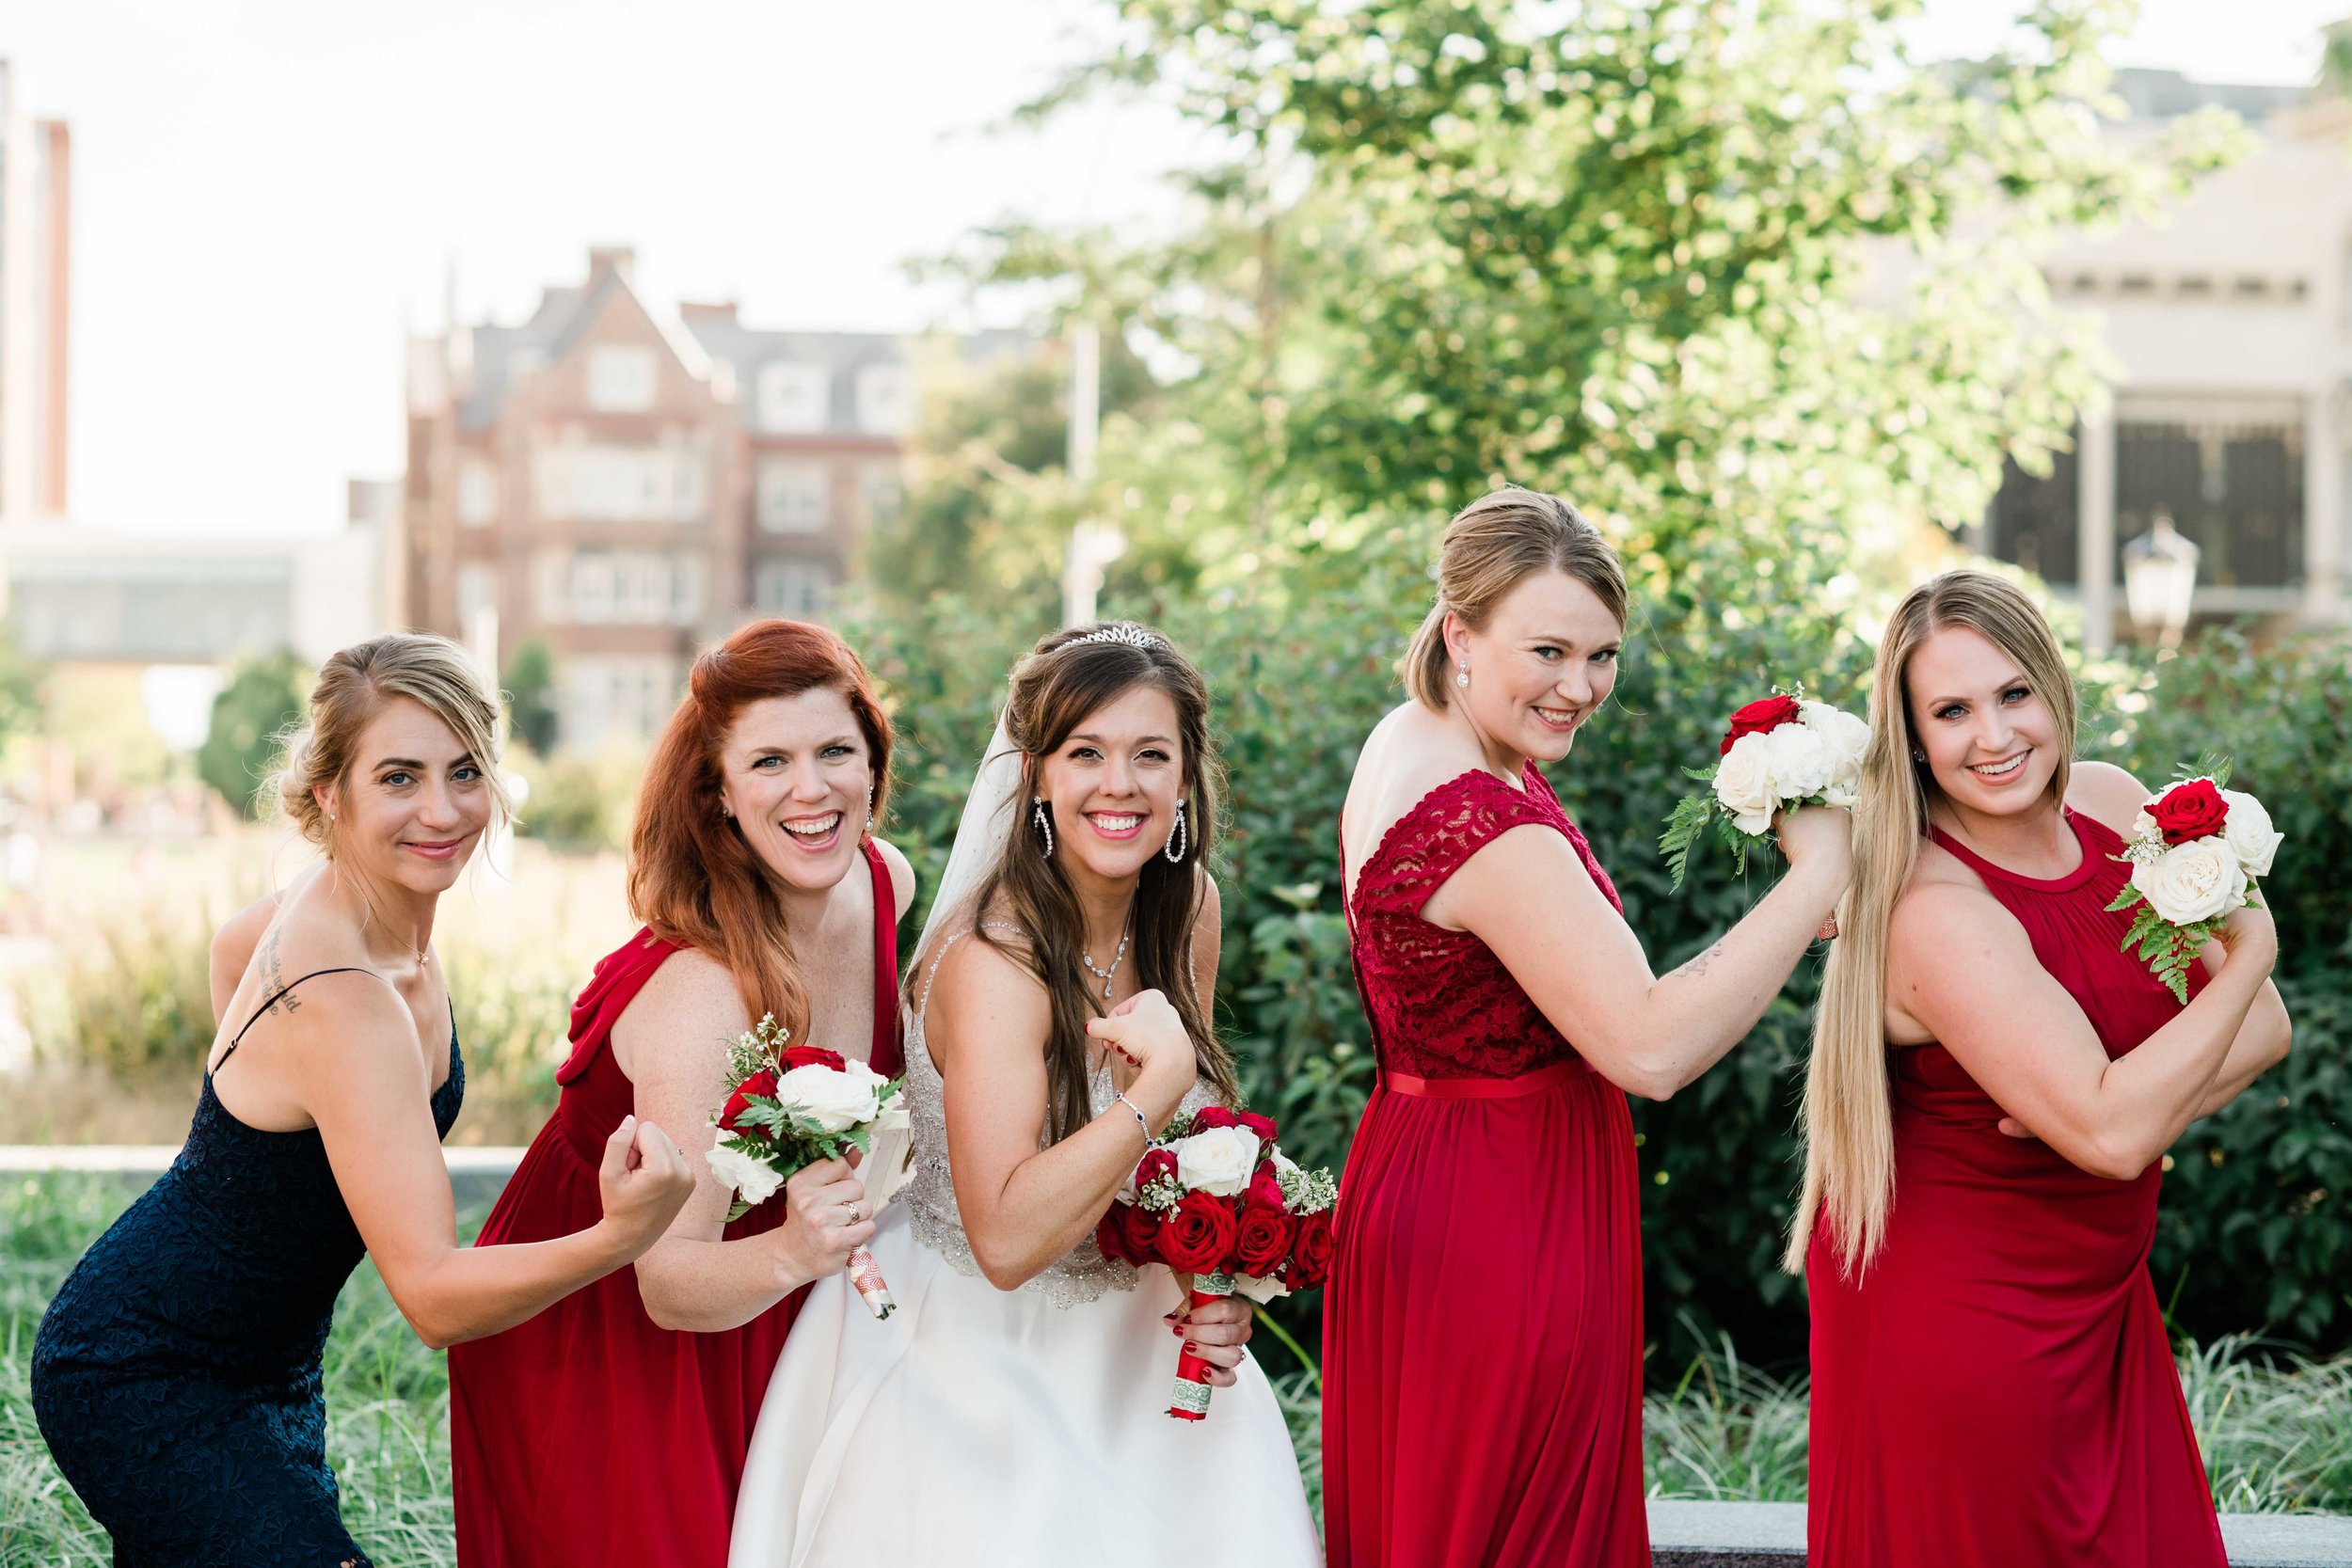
[(1487, 1088)]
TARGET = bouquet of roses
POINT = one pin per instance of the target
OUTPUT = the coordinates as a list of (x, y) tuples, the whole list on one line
[(2192, 851), (789, 1106), (1212, 1198), (1780, 752)]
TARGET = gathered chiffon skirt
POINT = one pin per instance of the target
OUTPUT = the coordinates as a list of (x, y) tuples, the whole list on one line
[(1483, 1335)]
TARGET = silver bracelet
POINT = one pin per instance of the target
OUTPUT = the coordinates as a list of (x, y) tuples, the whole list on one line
[(1140, 1120)]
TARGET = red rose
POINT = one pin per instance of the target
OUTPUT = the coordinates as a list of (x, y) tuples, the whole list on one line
[(1110, 1233), (813, 1055), (1214, 1115), (1154, 1165), (1139, 1231), (1760, 717), (1311, 1252), (1263, 1126), (1262, 1242), (2190, 811), (1265, 1190), (762, 1082), (1197, 1237)]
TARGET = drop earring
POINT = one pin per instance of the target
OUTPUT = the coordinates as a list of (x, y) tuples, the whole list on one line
[(1179, 842), (1463, 677), (1044, 820)]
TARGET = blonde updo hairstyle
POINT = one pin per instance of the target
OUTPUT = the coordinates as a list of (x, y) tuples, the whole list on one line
[(1490, 547), (353, 687)]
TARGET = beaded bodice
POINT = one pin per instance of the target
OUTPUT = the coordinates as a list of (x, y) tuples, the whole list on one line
[(1441, 1003), (1080, 1276)]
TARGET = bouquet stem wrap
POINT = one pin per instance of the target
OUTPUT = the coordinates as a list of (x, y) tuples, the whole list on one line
[(867, 1276), (1191, 1403)]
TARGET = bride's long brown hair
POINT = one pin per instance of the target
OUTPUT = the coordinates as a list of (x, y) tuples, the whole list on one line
[(1064, 679)]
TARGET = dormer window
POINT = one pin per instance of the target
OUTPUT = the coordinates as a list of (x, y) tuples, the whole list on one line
[(794, 397), (620, 378)]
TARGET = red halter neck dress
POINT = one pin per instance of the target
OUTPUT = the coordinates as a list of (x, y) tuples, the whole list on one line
[(1997, 1389)]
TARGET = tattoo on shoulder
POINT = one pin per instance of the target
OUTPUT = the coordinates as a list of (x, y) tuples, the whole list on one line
[(1699, 965), (271, 981)]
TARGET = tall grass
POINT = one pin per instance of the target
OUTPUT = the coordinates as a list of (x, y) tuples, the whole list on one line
[(2273, 1427)]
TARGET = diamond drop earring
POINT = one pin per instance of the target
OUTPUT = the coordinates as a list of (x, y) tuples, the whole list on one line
[(1463, 678), (1179, 842), (1044, 820)]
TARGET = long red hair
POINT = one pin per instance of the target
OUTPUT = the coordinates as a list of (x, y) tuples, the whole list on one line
[(691, 875)]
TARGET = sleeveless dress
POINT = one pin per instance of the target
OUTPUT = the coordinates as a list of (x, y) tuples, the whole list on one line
[(1006, 1429), (1999, 1390), (177, 1373), (590, 1434), (1482, 1331)]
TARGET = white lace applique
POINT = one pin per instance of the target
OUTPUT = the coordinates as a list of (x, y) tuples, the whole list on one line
[(1080, 1276)]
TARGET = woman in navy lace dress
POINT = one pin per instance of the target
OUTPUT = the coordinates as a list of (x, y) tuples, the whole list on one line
[(177, 1374)]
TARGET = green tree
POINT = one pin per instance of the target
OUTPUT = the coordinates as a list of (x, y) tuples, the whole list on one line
[(530, 682), (20, 690), (265, 695)]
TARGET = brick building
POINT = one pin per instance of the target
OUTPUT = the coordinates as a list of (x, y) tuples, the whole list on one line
[(628, 486)]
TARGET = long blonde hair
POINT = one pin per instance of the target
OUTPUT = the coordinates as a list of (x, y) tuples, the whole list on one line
[(1490, 544), (1847, 1127)]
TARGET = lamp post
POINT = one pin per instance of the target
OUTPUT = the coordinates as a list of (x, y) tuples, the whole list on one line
[(2160, 582), (1093, 544)]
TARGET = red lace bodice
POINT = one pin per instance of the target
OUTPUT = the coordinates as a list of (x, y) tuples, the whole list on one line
[(1440, 1003)]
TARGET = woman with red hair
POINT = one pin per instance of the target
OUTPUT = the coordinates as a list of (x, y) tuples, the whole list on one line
[(612, 1427)]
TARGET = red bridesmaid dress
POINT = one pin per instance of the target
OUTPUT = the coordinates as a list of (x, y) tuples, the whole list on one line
[(588, 1435), (1482, 1329), (1997, 1391)]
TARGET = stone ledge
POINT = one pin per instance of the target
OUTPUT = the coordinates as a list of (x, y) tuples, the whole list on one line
[(1771, 1535)]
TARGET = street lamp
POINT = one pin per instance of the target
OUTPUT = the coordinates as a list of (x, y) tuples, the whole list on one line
[(2160, 581)]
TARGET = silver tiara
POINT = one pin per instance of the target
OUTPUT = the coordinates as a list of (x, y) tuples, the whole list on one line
[(1125, 632)]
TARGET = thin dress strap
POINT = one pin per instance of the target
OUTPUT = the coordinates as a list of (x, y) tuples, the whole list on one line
[(276, 995), (886, 1056)]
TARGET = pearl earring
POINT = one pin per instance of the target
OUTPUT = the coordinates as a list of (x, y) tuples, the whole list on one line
[(1179, 840), (1463, 679)]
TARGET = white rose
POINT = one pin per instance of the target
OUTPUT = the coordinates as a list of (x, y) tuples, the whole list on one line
[(1845, 738), (738, 1172), (2248, 834), (2144, 829), (1743, 784), (1259, 1290), (891, 1116), (2192, 882), (836, 1101), (1218, 1162), (1799, 761)]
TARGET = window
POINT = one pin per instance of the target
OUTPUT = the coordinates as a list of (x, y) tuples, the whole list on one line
[(477, 590), (620, 378), (616, 697), (882, 493), (795, 396), (885, 400), (793, 495), (477, 492), (2230, 480), (604, 482), (796, 589)]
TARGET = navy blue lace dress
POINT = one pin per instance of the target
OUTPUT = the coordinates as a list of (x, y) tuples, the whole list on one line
[(177, 1373)]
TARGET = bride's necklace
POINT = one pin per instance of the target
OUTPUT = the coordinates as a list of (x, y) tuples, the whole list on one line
[(1104, 975)]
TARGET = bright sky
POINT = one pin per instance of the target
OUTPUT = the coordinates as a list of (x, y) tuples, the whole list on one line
[(265, 191)]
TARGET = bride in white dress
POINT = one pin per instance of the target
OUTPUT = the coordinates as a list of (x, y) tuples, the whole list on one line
[(1013, 1409)]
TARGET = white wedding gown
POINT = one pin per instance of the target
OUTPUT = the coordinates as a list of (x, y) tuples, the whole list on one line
[(1030, 1427)]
